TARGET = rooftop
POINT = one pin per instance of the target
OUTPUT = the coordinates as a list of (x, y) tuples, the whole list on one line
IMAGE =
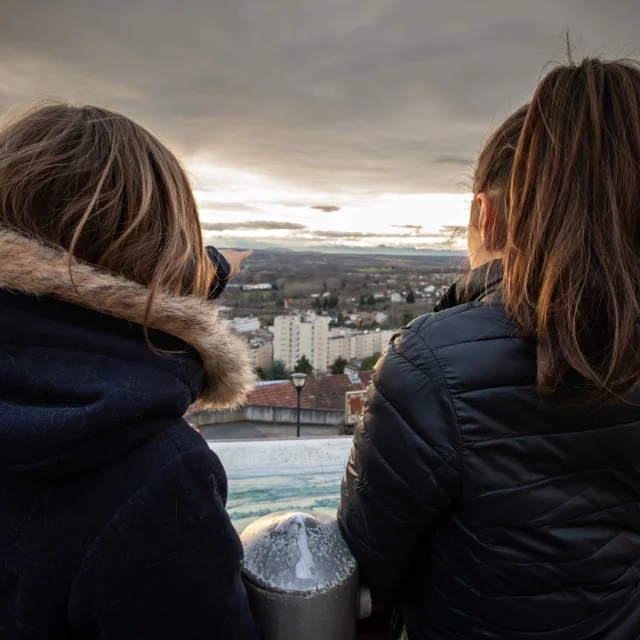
[(319, 393)]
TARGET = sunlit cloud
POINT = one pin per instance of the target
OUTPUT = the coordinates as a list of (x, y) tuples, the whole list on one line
[(367, 120), (248, 206)]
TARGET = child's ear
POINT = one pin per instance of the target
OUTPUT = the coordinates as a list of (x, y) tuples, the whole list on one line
[(487, 220)]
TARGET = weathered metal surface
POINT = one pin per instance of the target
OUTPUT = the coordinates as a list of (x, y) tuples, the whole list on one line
[(301, 578)]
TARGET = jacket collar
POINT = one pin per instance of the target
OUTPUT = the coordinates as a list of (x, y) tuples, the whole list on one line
[(481, 284), (28, 266)]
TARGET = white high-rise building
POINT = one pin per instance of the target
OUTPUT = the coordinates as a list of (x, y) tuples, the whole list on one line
[(297, 336), (356, 345)]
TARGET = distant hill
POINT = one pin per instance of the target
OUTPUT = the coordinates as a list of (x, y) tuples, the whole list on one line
[(384, 250), (346, 250)]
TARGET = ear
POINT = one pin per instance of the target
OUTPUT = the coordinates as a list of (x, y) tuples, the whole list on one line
[(487, 219)]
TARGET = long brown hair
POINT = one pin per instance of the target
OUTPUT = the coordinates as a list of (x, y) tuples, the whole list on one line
[(493, 173), (98, 185), (572, 253)]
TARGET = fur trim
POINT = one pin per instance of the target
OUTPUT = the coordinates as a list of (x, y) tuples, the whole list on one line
[(29, 266)]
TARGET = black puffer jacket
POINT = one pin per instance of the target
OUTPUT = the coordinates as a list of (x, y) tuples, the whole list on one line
[(481, 510)]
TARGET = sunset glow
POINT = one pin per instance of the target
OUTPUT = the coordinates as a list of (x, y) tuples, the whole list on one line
[(239, 207)]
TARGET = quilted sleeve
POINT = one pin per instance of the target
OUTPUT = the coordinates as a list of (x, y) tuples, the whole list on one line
[(223, 273), (404, 466)]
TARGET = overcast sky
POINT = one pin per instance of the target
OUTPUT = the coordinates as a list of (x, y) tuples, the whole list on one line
[(320, 98)]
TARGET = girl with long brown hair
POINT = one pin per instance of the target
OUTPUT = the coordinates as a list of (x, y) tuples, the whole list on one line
[(112, 509), (493, 489)]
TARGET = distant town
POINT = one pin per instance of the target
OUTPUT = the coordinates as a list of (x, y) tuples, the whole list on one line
[(329, 316), (319, 313)]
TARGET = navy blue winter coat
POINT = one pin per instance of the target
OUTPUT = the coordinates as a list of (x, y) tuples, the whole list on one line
[(112, 509), (223, 272), (481, 510)]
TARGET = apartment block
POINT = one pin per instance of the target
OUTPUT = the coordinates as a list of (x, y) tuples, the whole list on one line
[(356, 345), (295, 336)]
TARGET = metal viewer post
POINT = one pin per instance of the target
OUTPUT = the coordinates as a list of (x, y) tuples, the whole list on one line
[(301, 578)]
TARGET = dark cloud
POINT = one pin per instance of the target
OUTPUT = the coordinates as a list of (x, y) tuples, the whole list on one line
[(326, 208), (453, 160), (253, 225), (366, 235), (357, 97)]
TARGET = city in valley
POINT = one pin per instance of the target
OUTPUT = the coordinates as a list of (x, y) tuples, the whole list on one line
[(326, 315), (329, 316), (340, 296)]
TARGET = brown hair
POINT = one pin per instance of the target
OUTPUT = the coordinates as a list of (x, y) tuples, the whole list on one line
[(100, 186), (493, 173), (572, 244)]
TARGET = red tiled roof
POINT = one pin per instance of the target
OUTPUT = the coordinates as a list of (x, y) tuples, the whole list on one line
[(319, 393)]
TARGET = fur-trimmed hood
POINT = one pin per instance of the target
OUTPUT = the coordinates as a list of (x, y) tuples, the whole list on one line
[(30, 267)]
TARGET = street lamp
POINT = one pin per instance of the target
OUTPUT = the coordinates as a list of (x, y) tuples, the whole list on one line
[(298, 380)]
